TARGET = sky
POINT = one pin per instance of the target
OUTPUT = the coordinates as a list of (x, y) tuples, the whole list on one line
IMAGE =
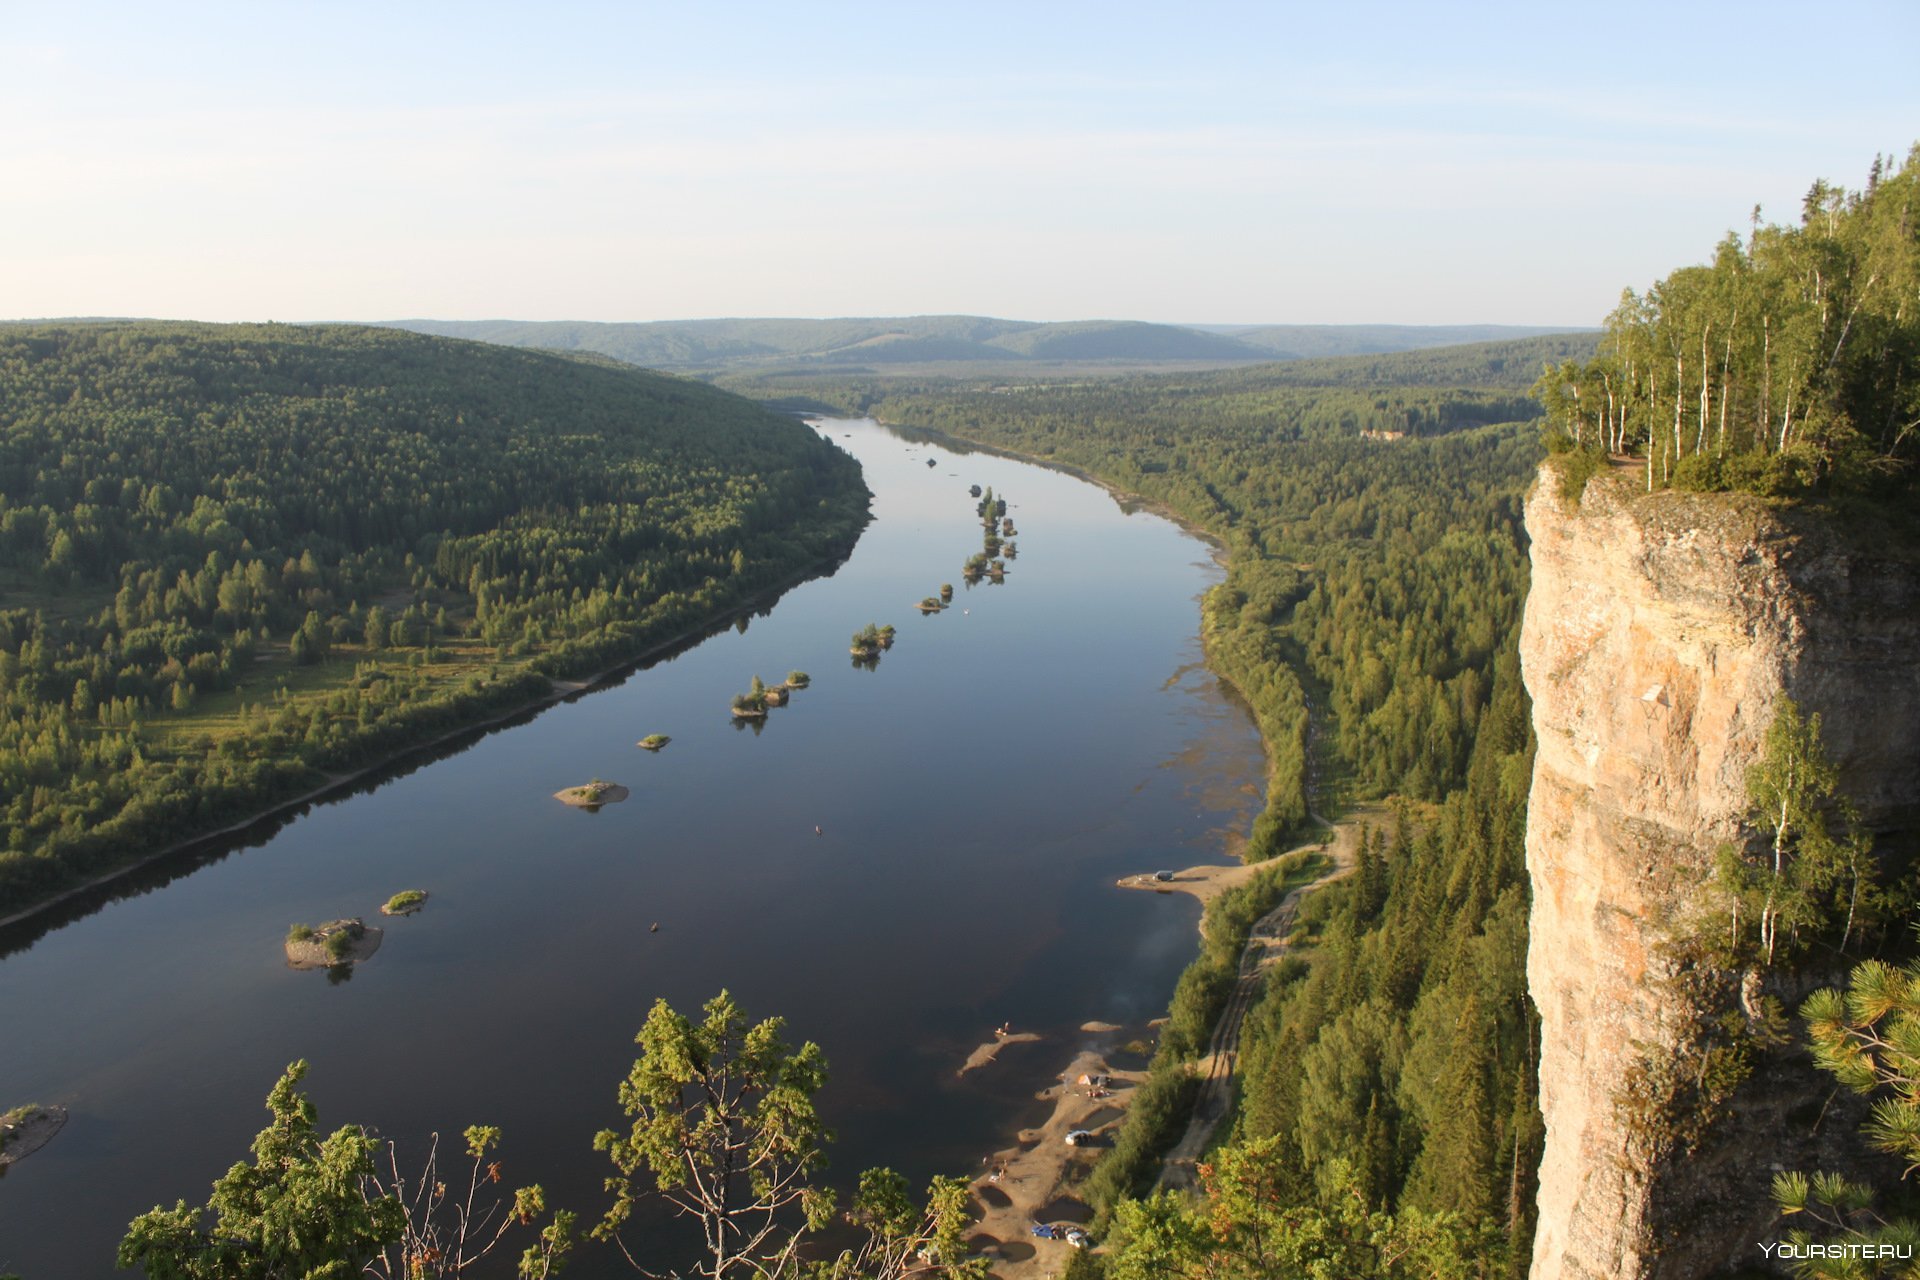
[(1187, 163)]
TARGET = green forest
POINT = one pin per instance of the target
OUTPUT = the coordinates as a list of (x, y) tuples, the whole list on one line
[(967, 343), (236, 561), (1790, 363)]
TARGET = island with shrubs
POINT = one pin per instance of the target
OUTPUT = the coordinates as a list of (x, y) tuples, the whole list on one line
[(751, 705), (591, 795), (404, 903), (869, 641), (337, 942)]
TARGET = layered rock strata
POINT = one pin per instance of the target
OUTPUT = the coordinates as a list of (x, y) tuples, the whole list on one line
[(1661, 630)]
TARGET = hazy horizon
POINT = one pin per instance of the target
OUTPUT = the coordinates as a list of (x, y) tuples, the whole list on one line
[(604, 163), (1205, 325)]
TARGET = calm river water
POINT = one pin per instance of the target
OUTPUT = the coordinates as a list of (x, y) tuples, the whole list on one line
[(977, 795)]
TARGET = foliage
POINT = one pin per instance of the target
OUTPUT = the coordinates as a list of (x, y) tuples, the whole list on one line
[(1369, 614), (725, 1129), (1790, 362), (406, 900), (448, 1236), (314, 1209), (1206, 983), (1868, 1038), (1373, 579), (1156, 1115), (1817, 867), (298, 1210), (1400, 1056), (238, 556), (1163, 1102), (1257, 1221), (299, 932), (899, 1238)]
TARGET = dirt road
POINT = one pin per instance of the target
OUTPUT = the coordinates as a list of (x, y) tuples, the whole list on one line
[(1266, 945)]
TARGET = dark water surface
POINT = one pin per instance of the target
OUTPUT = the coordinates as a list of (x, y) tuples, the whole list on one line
[(978, 793)]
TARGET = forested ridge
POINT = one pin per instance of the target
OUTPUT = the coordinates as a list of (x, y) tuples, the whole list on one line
[(1372, 509), (234, 559), (960, 341)]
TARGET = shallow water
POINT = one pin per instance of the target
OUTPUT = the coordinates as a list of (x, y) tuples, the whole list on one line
[(977, 794)]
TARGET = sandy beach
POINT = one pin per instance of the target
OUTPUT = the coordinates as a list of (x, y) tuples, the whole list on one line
[(1025, 1183), (1031, 1182), (991, 1049)]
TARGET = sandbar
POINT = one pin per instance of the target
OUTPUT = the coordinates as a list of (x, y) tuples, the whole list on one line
[(21, 1138)]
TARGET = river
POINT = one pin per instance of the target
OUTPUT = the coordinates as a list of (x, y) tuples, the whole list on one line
[(976, 794)]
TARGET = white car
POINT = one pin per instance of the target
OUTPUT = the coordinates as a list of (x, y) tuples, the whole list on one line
[(1078, 1137), (1078, 1238)]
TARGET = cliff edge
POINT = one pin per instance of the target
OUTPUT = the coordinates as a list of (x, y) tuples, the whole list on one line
[(1660, 632)]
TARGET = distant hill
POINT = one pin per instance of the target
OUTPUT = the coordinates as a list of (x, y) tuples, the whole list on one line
[(1313, 341), (737, 344), (1514, 363), (417, 533), (1129, 340)]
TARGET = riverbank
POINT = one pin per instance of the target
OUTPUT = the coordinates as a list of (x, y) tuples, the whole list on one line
[(550, 912), (557, 691), (1269, 831), (1124, 497), (1037, 1181)]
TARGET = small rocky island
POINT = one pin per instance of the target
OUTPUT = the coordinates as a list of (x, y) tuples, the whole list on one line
[(591, 795), (335, 943), (404, 903), (870, 640), (24, 1130), (654, 741), (751, 705)]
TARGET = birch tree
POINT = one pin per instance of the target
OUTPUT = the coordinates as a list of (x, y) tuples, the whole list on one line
[(1813, 868)]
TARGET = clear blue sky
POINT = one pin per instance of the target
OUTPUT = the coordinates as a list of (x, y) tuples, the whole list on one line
[(1413, 163)]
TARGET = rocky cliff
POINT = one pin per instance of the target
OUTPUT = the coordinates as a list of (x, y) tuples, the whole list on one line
[(1660, 632)]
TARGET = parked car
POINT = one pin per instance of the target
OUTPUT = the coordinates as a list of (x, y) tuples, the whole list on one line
[(1163, 876), (1078, 1137), (1078, 1238)]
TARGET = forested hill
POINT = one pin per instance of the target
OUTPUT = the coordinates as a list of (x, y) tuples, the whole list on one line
[(233, 556), (890, 342)]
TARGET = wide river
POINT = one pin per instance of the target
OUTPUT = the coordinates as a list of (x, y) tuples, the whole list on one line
[(977, 795)]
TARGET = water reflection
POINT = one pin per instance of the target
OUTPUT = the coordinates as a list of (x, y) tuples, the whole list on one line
[(842, 872)]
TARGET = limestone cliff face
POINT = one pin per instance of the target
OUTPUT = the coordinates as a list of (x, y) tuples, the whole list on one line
[(1660, 631)]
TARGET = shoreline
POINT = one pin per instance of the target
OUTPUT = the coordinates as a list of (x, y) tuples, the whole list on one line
[(1222, 556), (558, 691), (1030, 1181), (1125, 497), (1035, 1168)]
